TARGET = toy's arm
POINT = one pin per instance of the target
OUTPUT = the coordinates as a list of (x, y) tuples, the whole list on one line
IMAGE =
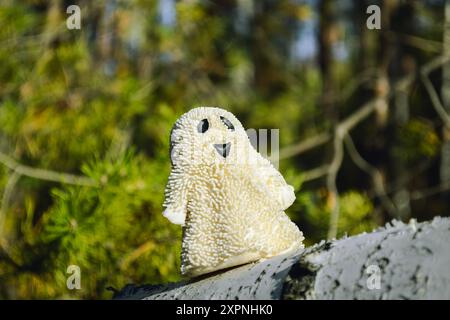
[(176, 198), (274, 184)]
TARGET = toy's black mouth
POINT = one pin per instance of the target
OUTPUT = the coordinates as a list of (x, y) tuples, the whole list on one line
[(223, 149)]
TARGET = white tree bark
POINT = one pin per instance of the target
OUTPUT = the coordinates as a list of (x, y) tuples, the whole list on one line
[(408, 261)]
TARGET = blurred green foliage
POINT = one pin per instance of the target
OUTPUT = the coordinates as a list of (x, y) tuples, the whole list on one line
[(101, 101), (417, 141), (356, 213)]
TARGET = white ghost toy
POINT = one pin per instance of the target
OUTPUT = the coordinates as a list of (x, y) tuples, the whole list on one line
[(228, 198)]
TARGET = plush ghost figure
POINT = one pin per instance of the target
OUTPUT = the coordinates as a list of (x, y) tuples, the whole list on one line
[(228, 198)]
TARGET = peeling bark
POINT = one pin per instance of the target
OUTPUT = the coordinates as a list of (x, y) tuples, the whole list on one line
[(413, 262)]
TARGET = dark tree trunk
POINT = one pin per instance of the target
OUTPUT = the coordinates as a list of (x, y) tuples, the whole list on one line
[(327, 37)]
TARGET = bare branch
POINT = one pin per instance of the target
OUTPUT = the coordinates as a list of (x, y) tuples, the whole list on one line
[(417, 42), (43, 174), (304, 145), (324, 137), (374, 173), (345, 126), (341, 131), (331, 182), (315, 173), (424, 193), (351, 121), (435, 100), (353, 84)]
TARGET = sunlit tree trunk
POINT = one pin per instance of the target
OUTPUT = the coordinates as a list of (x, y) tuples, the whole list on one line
[(402, 64), (445, 92)]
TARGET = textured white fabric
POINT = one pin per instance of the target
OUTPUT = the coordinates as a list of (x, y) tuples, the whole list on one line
[(231, 207)]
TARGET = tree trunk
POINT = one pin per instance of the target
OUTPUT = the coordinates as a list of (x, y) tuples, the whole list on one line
[(327, 37), (445, 92), (409, 260)]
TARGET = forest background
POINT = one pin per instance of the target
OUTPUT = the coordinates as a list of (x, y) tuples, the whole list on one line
[(85, 118)]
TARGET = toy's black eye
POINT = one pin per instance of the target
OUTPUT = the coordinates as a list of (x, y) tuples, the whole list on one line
[(227, 123), (203, 126)]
